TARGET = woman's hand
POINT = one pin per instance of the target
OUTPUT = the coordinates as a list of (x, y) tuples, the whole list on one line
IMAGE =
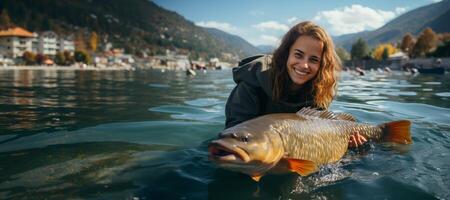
[(356, 140)]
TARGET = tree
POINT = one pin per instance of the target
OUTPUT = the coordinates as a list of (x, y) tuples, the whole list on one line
[(40, 58), (442, 50), (93, 41), (407, 43), (82, 56), (60, 59), (343, 54), (359, 50), (68, 58), (29, 58), (425, 43), (79, 42), (385, 54), (382, 51), (5, 20)]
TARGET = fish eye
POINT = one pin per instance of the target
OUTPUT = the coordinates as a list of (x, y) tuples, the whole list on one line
[(245, 139)]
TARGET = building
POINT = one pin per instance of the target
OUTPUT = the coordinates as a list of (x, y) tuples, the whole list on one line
[(15, 41), (66, 44), (48, 43)]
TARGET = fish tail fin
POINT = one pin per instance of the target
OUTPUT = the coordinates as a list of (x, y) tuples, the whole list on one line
[(397, 131)]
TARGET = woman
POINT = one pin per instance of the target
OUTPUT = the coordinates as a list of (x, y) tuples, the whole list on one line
[(302, 72)]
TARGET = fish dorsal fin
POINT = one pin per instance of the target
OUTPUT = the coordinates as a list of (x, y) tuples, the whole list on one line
[(345, 116), (308, 113), (302, 167)]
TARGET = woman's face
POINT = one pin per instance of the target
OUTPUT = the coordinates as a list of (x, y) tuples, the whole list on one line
[(304, 60)]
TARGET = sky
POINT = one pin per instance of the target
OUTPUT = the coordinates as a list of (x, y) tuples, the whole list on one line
[(264, 22)]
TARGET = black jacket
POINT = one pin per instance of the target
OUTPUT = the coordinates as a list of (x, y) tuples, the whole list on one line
[(252, 96)]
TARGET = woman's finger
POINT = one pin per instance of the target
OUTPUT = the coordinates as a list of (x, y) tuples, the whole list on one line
[(354, 141), (358, 139)]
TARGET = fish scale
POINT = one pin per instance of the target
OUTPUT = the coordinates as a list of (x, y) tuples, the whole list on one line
[(321, 140)]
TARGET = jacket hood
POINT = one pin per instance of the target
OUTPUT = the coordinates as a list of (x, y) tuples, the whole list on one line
[(255, 72)]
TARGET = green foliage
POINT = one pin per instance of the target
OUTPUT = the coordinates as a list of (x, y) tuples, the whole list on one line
[(140, 24), (359, 50), (5, 20), (60, 59), (442, 50), (82, 56), (385, 54), (343, 54)]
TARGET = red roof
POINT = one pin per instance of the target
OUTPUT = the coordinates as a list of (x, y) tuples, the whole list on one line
[(16, 31)]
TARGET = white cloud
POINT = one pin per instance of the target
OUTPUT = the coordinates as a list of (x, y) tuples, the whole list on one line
[(270, 40), (218, 25), (292, 19), (271, 25), (355, 18), (400, 10)]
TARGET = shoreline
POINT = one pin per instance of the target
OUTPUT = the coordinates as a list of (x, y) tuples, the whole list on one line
[(72, 68)]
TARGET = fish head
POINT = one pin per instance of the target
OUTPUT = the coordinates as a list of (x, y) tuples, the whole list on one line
[(246, 149)]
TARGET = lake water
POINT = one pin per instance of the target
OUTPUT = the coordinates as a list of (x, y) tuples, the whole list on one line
[(143, 135)]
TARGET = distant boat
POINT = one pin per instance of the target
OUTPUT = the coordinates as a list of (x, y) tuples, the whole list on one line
[(434, 70)]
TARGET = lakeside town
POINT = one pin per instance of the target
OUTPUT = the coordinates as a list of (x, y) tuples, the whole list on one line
[(22, 49)]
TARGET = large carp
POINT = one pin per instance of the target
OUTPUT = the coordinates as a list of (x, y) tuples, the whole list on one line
[(298, 142)]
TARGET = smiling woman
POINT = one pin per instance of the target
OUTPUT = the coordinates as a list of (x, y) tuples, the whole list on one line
[(302, 72)]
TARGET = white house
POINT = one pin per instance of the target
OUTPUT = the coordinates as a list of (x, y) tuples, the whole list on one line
[(66, 44), (15, 41), (48, 43)]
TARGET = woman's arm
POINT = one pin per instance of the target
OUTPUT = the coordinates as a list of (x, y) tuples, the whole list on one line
[(244, 103)]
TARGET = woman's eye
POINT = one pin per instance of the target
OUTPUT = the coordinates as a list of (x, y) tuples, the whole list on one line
[(314, 61), (299, 55)]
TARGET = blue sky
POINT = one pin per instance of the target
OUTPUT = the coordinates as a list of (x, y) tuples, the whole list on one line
[(263, 22)]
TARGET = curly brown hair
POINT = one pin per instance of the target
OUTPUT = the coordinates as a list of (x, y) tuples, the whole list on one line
[(323, 86)]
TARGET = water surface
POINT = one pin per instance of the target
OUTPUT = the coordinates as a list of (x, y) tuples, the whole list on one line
[(143, 135)]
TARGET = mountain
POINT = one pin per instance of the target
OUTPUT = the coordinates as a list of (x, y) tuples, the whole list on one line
[(239, 45), (435, 16), (266, 49), (136, 25)]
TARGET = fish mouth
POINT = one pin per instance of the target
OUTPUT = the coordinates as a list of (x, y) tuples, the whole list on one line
[(221, 151)]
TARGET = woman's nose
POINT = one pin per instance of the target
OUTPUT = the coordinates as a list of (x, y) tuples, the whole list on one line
[(303, 63)]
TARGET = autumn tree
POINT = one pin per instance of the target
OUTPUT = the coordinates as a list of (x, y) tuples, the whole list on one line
[(425, 43), (383, 51), (359, 50), (407, 43), (68, 57), (80, 42), (93, 41), (29, 58)]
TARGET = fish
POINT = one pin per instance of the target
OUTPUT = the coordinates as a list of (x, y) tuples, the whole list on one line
[(298, 142)]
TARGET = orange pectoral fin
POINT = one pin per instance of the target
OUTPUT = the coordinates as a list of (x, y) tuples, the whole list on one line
[(256, 177), (302, 167)]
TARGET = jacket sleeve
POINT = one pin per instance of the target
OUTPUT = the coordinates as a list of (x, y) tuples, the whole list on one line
[(243, 104)]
